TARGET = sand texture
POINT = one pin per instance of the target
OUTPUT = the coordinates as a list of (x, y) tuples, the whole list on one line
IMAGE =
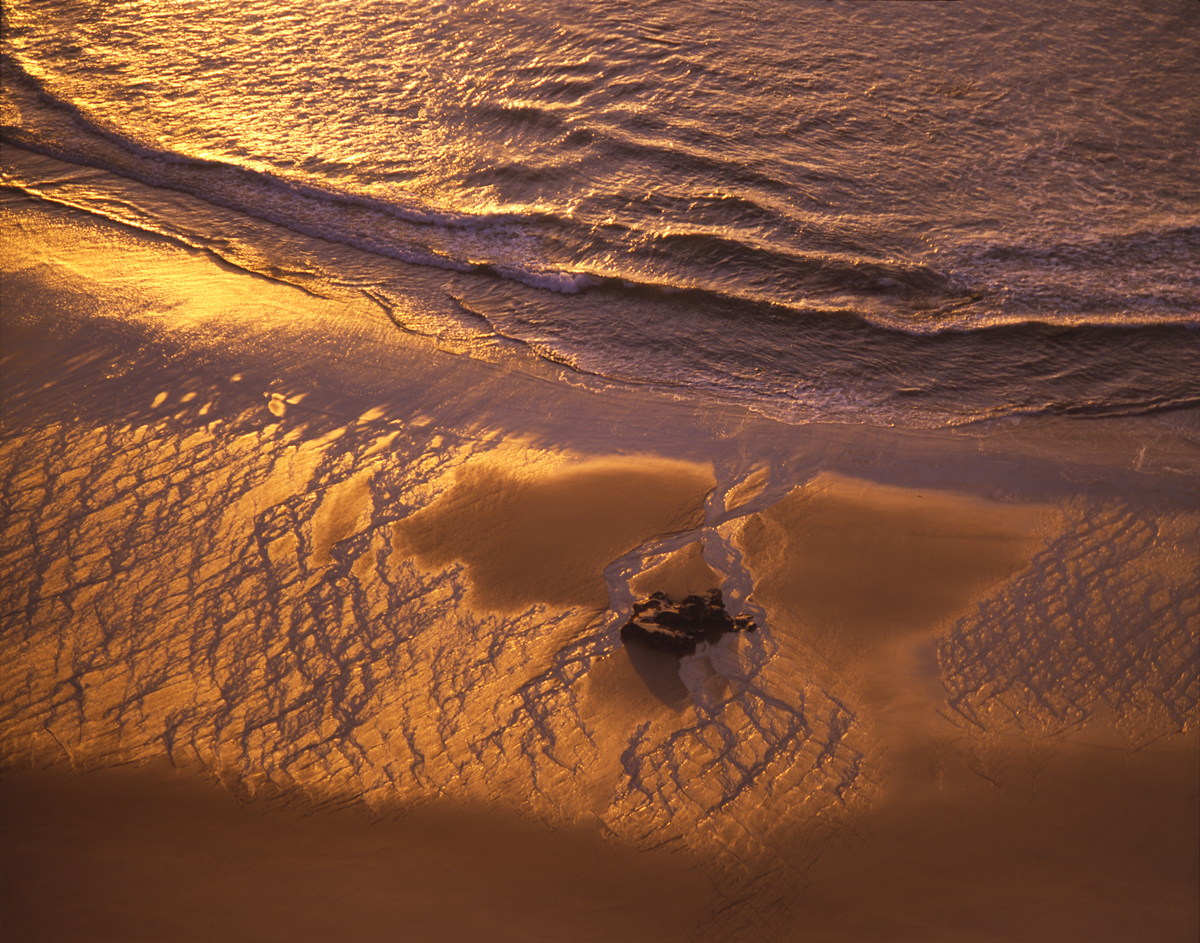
[(310, 627)]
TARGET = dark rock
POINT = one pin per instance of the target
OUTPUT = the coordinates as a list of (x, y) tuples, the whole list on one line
[(660, 623)]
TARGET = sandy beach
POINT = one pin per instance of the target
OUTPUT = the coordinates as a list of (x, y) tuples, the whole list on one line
[(311, 628)]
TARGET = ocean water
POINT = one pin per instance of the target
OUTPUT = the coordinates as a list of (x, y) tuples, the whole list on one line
[(901, 214)]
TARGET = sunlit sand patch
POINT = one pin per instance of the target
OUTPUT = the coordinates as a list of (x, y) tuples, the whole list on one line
[(542, 530), (683, 573), (1104, 625), (344, 510), (851, 563)]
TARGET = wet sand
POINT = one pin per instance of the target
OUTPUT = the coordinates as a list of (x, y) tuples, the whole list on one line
[(366, 596), (152, 854)]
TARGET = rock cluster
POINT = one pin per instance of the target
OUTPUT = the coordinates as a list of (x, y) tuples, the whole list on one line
[(678, 627)]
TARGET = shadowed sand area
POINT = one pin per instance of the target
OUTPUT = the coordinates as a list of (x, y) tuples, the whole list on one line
[(531, 534), (149, 854), (1079, 842), (365, 596)]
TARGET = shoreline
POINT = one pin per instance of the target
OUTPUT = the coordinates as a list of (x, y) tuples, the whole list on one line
[(206, 474)]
